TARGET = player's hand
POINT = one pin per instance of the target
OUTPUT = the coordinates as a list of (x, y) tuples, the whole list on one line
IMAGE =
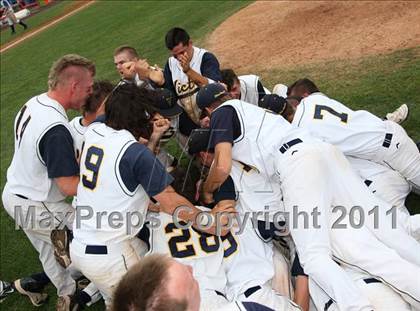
[(142, 69), (160, 126), (128, 70), (206, 197), (224, 213), (205, 122), (157, 76), (184, 61)]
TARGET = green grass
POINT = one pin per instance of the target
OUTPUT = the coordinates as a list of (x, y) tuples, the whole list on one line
[(378, 84), (36, 20), (94, 32)]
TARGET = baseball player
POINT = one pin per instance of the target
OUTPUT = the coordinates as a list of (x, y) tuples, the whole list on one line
[(245, 248), (134, 69), (386, 183), (44, 169), (101, 89), (391, 187), (118, 175), (202, 251), (245, 133), (356, 133), (311, 297), (171, 286), (188, 69), (9, 14), (247, 88)]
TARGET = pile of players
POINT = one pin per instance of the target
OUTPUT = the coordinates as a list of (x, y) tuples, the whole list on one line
[(297, 201)]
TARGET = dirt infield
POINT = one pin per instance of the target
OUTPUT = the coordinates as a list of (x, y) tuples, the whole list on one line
[(74, 8), (270, 34)]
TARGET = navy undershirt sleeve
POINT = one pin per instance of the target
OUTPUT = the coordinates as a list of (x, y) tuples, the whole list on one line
[(225, 192), (297, 268), (167, 74), (57, 151), (224, 125), (210, 67), (261, 91), (138, 166)]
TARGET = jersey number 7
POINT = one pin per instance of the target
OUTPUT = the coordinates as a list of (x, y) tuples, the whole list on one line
[(320, 108)]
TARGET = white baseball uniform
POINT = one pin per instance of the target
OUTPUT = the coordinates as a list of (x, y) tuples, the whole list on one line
[(262, 199), (249, 89), (360, 134), (202, 251), (186, 90), (285, 153), (379, 294), (78, 134), (99, 245), (29, 187), (244, 251), (391, 187)]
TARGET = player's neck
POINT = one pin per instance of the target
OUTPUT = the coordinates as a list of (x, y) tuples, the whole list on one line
[(60, 98)]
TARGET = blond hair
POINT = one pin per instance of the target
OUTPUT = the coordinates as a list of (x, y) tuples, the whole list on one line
[(126, 48), (70, 60)]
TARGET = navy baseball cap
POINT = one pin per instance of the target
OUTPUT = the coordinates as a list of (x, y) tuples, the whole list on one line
[(209, 94), (273, 102), (198, 141), (166, 103)]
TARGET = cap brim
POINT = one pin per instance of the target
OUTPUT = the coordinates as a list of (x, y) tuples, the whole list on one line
[(172, 112)]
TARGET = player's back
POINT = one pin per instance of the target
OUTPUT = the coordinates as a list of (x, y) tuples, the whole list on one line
[(357, 133), (248, 260), (202, 251), (78, 134), (262, 135), (102, 188), (27, 174)]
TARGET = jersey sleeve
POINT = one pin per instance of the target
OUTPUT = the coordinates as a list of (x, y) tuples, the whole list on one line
[(225, 192), (299, 114), (224, 125), (167, 74), (57, 151), (297, 268), (138, 166), (261, 90), (210, 67)]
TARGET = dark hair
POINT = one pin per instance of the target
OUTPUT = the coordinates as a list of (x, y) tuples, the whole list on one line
[(229, 77), (176, 36), (101, 89), (143, 287), (289, 109), (302, 86), (129, 108), (126, 48)]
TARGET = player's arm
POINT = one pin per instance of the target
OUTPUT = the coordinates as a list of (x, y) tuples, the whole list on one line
[(220, 168), (139, 166), (225, 199), (301, 295), (68, 185), (57, 152), (222, 136), (302, 292)]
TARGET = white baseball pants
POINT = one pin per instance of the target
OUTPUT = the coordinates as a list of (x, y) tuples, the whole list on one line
[(402, 155), (306, 184), (105, 271), (268, 297), (38, 231)]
